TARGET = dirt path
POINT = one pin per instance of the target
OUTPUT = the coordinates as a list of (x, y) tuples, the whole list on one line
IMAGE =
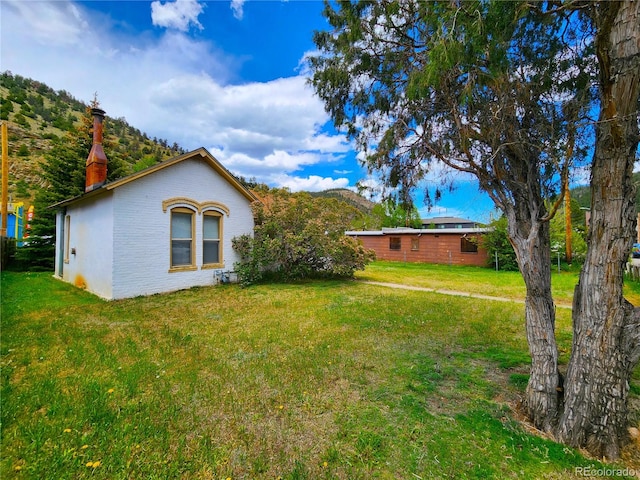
[(451, 292)]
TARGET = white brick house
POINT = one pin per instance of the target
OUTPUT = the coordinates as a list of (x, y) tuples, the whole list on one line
[(165, 228)]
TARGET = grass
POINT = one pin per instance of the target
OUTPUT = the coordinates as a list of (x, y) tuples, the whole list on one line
[(478, 280), (318, 380)]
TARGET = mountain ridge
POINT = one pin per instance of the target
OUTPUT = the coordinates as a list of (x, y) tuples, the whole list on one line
[(37, 115)]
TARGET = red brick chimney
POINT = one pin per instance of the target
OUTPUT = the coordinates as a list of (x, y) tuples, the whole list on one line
[(96, 170)]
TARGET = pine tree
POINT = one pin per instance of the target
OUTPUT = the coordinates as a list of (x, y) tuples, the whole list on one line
[(64, 173)]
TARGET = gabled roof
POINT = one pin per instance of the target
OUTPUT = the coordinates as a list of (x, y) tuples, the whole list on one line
[(200, 153)]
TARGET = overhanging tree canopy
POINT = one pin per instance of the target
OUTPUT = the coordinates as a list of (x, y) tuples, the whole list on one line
[(487, 88), (495, 89)]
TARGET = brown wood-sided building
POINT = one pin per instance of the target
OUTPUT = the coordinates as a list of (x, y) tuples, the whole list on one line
[(448, 246)]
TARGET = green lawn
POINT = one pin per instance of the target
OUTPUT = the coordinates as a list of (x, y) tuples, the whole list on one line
[(314, 380), (478, 280)]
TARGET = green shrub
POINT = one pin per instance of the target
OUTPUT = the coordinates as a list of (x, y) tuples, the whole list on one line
[(23, 151), (496, 242), (298, 236)]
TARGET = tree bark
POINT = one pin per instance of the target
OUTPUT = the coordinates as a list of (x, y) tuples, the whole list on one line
[(606, 327), (532, 247)]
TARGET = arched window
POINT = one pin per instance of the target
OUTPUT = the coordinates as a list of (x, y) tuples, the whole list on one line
[(182, 237), (211, 238)]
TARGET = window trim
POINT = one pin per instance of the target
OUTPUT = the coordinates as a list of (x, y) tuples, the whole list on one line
[(192, 265), (415, 244), (197, 206), (219, 216), (67, 237), (392, 241), (468, 245)]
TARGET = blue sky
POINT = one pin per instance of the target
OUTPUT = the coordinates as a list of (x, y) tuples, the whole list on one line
[(226, 75)]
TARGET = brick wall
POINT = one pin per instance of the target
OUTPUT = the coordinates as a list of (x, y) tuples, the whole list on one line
[(432, 247)]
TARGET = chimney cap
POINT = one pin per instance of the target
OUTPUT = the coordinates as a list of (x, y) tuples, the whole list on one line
[(97, 111)]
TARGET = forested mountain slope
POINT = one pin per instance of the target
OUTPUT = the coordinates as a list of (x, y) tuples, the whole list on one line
[(37, 115)]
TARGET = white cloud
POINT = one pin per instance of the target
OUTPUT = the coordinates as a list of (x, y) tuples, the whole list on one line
[(237, 6), (180, 14), (256, 129), (371, 188), (50, 23), (176, 88), (312, 183), (580, 176), (256, 116), (272, 165)]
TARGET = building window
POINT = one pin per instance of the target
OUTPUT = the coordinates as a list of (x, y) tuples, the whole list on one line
[(182, 237), (67, 237), (415, 244), (395, 243), (211, 238), (468, 245)]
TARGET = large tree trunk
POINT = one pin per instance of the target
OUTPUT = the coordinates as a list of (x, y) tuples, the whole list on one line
[(606, 329), (530, 240)]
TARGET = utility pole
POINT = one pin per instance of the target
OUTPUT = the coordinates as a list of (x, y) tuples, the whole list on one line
[(5, 179)]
